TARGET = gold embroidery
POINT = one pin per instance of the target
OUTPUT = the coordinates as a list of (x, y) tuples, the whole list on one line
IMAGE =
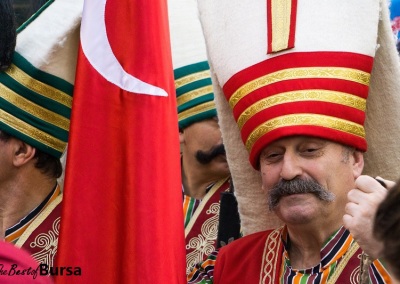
[(31, 131), (51, 240), (39, 87), (203, 244), (355, 276), (281, 12), (195, 110), (197, 93), (33, 109), (38, 220), (304, 119), (270, 257), (348, 74), (48, 242), (204, 201), (268, 272), (304, 95), (192, 78), (339, 269)]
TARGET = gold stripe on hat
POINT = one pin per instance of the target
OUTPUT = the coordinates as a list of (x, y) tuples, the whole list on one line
[(348, 74), (281, 11), (33, 109), (196, 110), (328, 96), (304, 119), (192, 78), (39, 87), (32, 132), (194, 94)]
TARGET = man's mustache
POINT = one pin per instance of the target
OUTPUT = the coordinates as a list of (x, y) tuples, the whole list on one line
[(297, 186), (205, 157)]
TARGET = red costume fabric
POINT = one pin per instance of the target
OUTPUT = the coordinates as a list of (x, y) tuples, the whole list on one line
[(262, 258)]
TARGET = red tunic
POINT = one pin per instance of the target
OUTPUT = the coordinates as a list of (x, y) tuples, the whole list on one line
[(259, 258)]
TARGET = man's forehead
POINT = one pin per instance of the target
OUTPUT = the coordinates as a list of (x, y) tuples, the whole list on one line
[(298, 139)]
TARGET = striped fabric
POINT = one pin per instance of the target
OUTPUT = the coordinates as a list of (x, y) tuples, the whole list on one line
[(331, 255), (202, 273), (190, 205), (13, 233), (321, 94), (36, 91), (194, 92), (35, 106)]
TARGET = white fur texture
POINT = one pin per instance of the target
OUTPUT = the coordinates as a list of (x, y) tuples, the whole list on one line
[(50, 42), (187, 41), (382, 124), (236, 31)]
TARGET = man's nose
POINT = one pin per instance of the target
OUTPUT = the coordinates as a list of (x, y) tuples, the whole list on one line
[(291, 167)]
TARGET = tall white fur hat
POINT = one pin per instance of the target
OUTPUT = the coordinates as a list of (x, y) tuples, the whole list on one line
[(36, 91), (195, 97), (290, 67)]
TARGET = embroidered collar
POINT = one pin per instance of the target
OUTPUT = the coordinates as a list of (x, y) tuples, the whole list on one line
[(333, 250), (13, 233)]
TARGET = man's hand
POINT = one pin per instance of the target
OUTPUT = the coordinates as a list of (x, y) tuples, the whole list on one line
[(360, 212)]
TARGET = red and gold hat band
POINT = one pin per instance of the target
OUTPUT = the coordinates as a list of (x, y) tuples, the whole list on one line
[(321, 94)]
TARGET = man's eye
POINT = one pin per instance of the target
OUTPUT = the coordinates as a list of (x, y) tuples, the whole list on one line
[(272, 157), (312, 152)]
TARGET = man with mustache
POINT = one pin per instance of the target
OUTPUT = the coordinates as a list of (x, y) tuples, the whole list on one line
[(206, 182), (205, 176), (294, 77), (203, 155)]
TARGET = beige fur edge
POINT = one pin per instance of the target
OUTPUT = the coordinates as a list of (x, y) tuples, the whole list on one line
[(383, 107)]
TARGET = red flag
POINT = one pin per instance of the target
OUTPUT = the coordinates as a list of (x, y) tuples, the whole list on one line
[(122, 209)]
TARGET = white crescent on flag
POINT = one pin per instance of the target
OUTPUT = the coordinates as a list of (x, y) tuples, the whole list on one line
[(97, 49)]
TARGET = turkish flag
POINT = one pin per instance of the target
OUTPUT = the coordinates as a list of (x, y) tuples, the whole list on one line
[(122, 208)]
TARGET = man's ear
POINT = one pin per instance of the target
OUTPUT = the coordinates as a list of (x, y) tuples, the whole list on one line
[(358, 163), (23, 153)]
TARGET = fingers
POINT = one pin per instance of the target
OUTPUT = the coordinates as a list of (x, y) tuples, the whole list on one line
[(368, 184), (368, 191), (389, 184), (364, 199), (360, 211), (348, 221), (353, 209)]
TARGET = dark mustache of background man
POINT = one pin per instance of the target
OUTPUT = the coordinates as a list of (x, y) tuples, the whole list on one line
[(297, 186), (205, 157)]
